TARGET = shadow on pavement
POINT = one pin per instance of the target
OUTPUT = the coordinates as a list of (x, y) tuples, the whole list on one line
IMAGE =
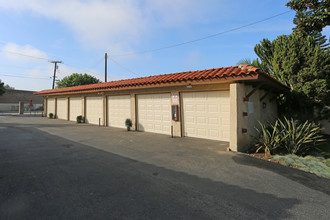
[(307, 179), (46, 176)]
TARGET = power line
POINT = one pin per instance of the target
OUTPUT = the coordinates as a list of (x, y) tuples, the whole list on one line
[(129, 70), (20, 76), (203, 38), (25, 55), (97, 63), (14, 73), (15, 66), (41, 58)]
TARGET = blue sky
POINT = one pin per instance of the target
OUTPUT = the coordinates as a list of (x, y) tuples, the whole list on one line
[(79, 32)]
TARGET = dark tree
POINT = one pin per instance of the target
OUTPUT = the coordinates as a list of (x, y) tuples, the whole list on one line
[(302, 64), (317, 14), (2, 88), (77, 79), (318, 37)]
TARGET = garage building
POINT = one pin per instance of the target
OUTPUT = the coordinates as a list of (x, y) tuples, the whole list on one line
[(223, 104)]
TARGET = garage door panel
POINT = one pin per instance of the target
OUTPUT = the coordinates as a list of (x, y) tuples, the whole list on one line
[(190, 108), (201, 120), (191, 130), (201, 132), (225, 121), (213, 108), (189, 119), (119, 109), (75, 108), (94, 110), (158, 127), (213, 121), (206, 115), (166, 129), (158, 117), (164, 108), (166, 118), (154, 113), (225, 108), (214, 133), (200, 108), (226, 134), (62, 108), (50, 106), (143, 116)]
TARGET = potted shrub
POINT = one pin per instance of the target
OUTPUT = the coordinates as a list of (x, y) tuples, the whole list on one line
[(51, 115), (128, 124), (80, 119)]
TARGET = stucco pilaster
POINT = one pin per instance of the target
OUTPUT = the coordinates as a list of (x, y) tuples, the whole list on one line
[(238, 139), (133, 111)]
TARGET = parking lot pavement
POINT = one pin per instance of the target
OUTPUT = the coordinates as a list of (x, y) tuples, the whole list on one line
[(58, 169)]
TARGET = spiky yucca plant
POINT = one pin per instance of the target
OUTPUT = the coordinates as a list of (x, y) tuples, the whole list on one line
[(290, 136), (268, 139), (299, 137)]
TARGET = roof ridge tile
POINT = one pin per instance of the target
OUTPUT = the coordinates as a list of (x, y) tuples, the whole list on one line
[(213, 73)]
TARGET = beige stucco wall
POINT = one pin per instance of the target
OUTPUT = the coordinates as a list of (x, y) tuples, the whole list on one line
[(239, 141), (133, 111), (238, 122), (264, 110), (176, 125), (14, 96), (45, 107)]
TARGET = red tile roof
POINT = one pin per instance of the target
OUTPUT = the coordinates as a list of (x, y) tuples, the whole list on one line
[(224, 73)]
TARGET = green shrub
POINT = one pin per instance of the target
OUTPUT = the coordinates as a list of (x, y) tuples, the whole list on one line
[(128, 123), (288, 136), (268, 138), (80, 119), (51, 115), (300, 138)]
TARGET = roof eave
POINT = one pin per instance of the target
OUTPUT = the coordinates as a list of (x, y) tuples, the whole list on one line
[(228, 79)]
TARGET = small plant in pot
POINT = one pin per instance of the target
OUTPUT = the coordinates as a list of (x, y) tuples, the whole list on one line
[(50, 115), (128, 124), (80, 119)]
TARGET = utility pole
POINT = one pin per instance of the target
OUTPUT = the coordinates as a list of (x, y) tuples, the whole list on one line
[(55, 67), (106, 67)]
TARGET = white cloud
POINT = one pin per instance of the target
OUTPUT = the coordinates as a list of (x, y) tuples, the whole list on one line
[(118, 24), (94, 22), (14, 51), (25, 72)]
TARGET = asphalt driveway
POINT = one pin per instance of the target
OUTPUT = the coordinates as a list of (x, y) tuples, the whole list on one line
[(54, 169)]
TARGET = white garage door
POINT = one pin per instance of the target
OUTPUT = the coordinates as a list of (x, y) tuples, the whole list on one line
[(50, 106), (75, 108), (206, 115), (62, 108), (154, 113), (94, 110), (119, 109)]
